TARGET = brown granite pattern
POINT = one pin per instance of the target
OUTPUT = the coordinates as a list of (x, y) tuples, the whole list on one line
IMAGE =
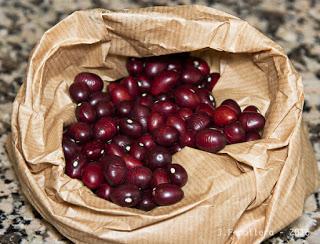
[(294, 24)]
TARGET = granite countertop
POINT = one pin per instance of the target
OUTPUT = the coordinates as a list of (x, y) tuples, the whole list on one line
[(294, 24)]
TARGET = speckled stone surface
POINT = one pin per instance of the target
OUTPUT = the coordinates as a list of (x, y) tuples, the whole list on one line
[(294, 24)]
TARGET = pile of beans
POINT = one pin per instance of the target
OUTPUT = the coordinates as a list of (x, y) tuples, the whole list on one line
[(122, 144)]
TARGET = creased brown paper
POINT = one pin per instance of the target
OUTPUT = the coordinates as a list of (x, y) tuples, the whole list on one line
[(244, 194)]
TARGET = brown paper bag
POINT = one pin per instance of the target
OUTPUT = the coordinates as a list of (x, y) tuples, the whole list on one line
[(244, 194)]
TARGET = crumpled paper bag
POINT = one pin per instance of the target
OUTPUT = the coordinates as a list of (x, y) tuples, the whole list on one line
[(244, 194)]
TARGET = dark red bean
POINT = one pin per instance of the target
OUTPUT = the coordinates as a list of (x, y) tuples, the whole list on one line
[(165, 107), (93, 150), (154, 66), (105, 129), (132, 86), (165, 97), (251, 108), (232, 104), (104, 191), (70, 148), (80, 132), (167, 194), (113, 149), (79, 92), (119, 93), (176, 122), (114, 169), (205, 109), (93, 81), (105, 109), (139, 111), (175, 65), (126, 195), (124, 108), (159, 176), (199, 64), (146, 203), (164, 82), (251, 121), (191, 75), (144, 83), (139, 176), (166, 136), (134, 66), (186, 97), (145, 100), (92, 175), (85, 113), (111, 86), (155, 121), (234, 133), (224, 115), (122, 141), (198, 122), (211, 80), (210, 140), (130, 128), (75, 165), (147, 141), (185, 113), (140, 114), (178, 175), (158, 157), (206, 97), (131, 162), (138, 151), (98, 97), (252, 136), (187, 139), (175, 148)]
